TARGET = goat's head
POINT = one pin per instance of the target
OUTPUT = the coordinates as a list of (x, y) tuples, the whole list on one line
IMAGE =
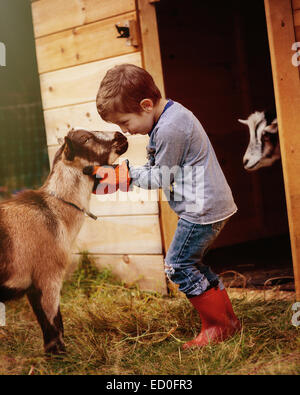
[(83, 148), (263, 148)]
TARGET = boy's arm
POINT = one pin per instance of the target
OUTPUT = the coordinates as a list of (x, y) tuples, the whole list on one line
[(171, 144)]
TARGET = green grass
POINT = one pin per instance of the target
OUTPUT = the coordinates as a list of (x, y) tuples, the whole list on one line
[(114, 329)]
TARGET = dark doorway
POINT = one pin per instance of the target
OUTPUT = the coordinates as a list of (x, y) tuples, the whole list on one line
[(216, 62)]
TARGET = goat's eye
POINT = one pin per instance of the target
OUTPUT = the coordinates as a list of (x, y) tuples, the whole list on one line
[(87, 140)]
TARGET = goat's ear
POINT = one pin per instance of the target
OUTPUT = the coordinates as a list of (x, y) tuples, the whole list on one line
[(69, 149), (243, 121), (273, 128)]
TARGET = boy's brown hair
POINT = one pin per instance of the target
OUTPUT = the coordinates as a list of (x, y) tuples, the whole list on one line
[(123, 88)]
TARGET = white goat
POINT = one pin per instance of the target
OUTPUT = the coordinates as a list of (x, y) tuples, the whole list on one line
[(263, 148)]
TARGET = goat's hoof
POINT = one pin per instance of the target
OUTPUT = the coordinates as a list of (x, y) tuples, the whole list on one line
[(55, 349)]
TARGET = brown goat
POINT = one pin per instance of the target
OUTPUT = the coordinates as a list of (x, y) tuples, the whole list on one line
[(38, 228)]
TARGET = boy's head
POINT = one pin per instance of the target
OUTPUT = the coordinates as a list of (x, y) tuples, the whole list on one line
[(128, 97)]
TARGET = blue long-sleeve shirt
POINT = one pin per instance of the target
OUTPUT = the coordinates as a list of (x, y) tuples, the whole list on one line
[(183, 163)]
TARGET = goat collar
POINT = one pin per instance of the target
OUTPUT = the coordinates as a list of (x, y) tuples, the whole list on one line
[(88, 213)]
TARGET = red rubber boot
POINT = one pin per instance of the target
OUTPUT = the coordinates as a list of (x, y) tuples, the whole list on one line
[(233, 318), (216, 319)]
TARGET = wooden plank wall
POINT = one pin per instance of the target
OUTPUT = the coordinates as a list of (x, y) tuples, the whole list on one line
[(282, 22), (75, 45)]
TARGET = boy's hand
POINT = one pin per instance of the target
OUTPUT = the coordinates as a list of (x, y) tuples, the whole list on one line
[(108, 179)]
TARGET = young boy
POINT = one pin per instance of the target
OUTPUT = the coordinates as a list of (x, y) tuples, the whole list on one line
[(182, 162)]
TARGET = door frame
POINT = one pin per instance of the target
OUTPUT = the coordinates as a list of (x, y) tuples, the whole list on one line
[(281, 33)]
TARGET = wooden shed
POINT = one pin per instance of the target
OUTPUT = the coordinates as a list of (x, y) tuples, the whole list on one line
[(198, 54)]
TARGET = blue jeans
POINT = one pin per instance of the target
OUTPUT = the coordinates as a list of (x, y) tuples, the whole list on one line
[(184, 260)]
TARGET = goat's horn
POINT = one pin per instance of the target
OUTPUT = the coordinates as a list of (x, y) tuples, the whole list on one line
[(244, 121)]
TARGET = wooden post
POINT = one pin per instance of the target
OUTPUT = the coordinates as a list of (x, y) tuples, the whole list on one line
[(281, 34), (152, 63), (151, 50)]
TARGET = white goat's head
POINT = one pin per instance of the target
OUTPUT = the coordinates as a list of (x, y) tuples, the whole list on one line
[(263, 148)]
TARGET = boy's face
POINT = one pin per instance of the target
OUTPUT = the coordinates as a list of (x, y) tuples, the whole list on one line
[(135, 123)]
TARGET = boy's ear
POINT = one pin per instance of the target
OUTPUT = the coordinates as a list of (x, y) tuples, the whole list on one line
[(69, 149), (147, 105)]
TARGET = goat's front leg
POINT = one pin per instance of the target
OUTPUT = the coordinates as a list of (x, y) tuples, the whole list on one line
[(45, 304)]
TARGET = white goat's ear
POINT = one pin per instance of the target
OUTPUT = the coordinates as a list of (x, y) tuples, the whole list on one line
[(60, 140), (273, 128), (243, 121)]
